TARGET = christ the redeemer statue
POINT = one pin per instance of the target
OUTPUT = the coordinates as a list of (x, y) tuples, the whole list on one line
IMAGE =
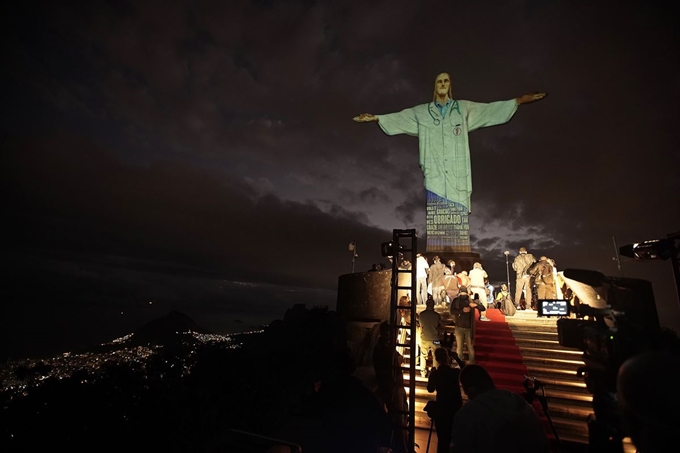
[(442, 128)]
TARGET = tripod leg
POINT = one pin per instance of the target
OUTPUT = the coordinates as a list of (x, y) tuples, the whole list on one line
[(544, 404), (429, 436)]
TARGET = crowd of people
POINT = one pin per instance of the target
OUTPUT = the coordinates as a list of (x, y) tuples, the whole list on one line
[(535, 279)]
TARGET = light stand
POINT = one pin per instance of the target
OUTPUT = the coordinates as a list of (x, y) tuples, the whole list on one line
[(507, 268), (353, 249), (657, 249)]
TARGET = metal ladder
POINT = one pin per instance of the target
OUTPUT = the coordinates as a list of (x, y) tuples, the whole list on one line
[(404, 247)]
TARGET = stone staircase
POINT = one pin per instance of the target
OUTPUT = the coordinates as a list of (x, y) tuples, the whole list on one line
[(568, 401)]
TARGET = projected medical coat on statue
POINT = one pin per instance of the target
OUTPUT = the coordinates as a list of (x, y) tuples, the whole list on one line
[(445, 161), (442, 127)]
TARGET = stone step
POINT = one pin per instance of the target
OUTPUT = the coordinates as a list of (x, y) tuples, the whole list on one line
[(538, 351), (554, 362), (545, 372), (533, 328)]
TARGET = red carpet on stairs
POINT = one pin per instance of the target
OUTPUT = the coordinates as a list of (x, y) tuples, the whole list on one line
[(495, 350)]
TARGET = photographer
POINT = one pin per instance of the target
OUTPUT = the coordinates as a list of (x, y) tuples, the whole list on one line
[(543, 274), (463, 311), (444, 380)]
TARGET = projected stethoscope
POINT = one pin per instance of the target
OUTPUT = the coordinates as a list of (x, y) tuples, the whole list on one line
[(436, 120)]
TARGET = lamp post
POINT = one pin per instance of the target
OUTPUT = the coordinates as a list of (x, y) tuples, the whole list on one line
[(507, 268), (353, 249)]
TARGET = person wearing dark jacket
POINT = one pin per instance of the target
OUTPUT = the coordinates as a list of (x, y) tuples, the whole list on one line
[(463, 311), (386, 363), (495, 420), (444, 380)]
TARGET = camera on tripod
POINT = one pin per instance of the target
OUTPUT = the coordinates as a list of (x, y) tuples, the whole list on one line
[(531, 384), (615, 318)]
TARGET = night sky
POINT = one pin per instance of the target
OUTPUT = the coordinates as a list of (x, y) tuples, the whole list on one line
[(158, 151)]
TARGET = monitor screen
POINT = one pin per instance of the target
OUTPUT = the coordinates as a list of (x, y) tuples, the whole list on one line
[(553, 307)]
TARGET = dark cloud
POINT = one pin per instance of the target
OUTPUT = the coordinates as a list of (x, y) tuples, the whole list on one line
[(71, 194)]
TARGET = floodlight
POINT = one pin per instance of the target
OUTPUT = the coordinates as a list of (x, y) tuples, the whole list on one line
[(387, 249), (656, 249)]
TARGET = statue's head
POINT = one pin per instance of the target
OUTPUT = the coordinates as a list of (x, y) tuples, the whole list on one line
[(442, 86)]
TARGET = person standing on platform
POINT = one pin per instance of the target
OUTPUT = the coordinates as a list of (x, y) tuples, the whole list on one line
[(544, 278), (464, 279), (436, 279), (481, 307), (463, 311), (451, 266), (422, 269), (558, 286), (521, 266), (444, 381), (477, 277), (429, 332), (450, 288), (490, 293)]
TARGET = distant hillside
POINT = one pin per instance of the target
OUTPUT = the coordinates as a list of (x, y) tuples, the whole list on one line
[(165, 329)]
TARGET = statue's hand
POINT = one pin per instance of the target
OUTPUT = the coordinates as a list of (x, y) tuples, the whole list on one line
[(365, 118), (533, 97)]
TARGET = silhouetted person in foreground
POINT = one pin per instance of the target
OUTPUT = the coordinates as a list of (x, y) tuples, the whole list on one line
[(495, 420), (352, 416), (648, 400), (444, 380), (386, 363)]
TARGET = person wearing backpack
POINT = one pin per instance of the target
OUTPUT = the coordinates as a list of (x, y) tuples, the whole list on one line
[(463, 311), (444, 381), (521, 265), (545, 279)]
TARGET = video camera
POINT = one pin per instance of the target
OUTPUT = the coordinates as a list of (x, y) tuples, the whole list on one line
[(615, 318)]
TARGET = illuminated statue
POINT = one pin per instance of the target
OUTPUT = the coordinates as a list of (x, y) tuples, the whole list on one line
[(442, 128)]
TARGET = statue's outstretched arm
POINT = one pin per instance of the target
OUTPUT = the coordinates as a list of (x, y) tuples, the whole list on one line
[(527, 98), (365, 118)]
